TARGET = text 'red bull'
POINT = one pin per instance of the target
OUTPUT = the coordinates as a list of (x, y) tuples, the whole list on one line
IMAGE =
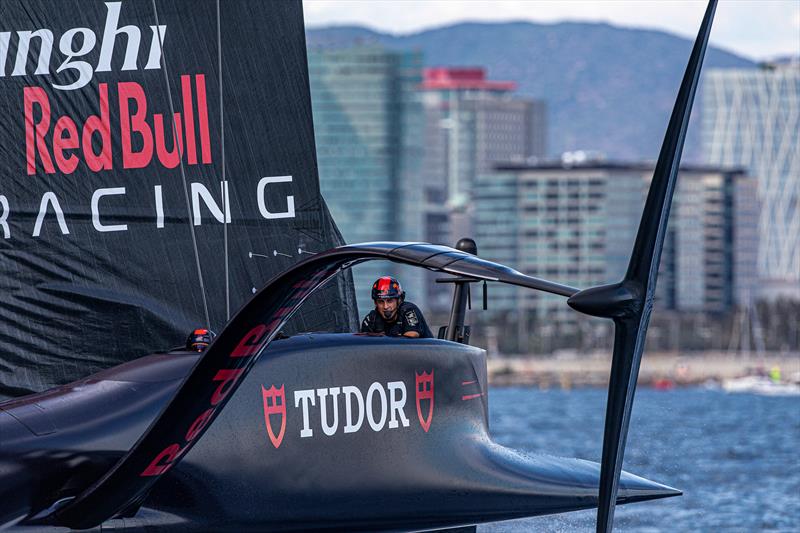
[(58, 143)]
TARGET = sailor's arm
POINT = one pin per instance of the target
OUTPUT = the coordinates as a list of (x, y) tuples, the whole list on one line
[(367, 324), (412, 320)]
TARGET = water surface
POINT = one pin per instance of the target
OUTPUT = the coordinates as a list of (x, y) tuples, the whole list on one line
[(736, 457)]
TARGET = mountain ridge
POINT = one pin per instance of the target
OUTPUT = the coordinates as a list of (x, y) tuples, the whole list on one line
[(608, 88)]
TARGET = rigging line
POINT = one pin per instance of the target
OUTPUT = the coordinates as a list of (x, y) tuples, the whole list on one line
[(183, 170), (225, 197)]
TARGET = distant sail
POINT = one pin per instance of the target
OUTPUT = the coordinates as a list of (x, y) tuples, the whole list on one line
[(116, 240)]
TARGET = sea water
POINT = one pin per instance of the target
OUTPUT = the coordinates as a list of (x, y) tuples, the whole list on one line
[(736, 457)]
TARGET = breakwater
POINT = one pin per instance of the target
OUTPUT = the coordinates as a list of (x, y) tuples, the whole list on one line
[(577, 369)]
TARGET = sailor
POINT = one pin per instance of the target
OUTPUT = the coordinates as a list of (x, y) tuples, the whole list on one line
[(199, 340), (393, 316)]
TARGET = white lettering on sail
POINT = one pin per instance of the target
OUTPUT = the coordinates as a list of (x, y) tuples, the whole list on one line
[(110, 33), (262, 205), (40, 42), (5, 38), (154, 61), (99, 193), (159, 206), (95, 208), (49, 198), (4, 217), (83, 68), (200, 191), (45, 49)]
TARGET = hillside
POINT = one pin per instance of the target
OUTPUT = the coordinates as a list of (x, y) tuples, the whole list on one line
[(607, 88)]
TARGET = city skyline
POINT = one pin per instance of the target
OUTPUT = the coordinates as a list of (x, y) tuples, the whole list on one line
[(469, 111), (758, 30)]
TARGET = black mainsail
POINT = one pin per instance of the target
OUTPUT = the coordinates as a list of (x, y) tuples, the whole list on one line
[(123, 126)]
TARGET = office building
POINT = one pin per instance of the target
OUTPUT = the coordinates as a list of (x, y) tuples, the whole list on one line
[(576, 225), (751, 119), (368, 130), (471, 124)]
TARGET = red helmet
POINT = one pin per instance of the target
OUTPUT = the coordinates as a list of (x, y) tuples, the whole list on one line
[(199, 340), (387, 287)]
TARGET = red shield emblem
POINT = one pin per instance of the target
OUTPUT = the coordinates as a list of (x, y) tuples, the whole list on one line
[(424, 388), (274, 404)]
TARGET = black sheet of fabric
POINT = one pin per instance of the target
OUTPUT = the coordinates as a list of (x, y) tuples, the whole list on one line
[(98, 263)]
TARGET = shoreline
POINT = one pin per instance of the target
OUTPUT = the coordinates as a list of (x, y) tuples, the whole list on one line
[(664, 370)]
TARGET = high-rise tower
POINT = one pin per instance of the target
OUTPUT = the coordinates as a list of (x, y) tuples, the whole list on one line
[(751, 119), (471, 124), (367, 126)]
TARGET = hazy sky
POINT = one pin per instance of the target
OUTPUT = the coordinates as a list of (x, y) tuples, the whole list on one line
[(756, 29)]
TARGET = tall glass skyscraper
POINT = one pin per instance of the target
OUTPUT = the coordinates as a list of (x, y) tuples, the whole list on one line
[(368, 127), (751, 118)]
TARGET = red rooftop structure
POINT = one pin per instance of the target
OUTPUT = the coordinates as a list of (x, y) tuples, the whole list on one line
[(462, 78)]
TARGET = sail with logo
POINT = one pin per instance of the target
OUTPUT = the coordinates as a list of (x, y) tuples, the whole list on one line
[(158, 165)]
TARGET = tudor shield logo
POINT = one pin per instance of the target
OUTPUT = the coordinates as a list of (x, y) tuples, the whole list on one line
[(274, 406), (424, 389)]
